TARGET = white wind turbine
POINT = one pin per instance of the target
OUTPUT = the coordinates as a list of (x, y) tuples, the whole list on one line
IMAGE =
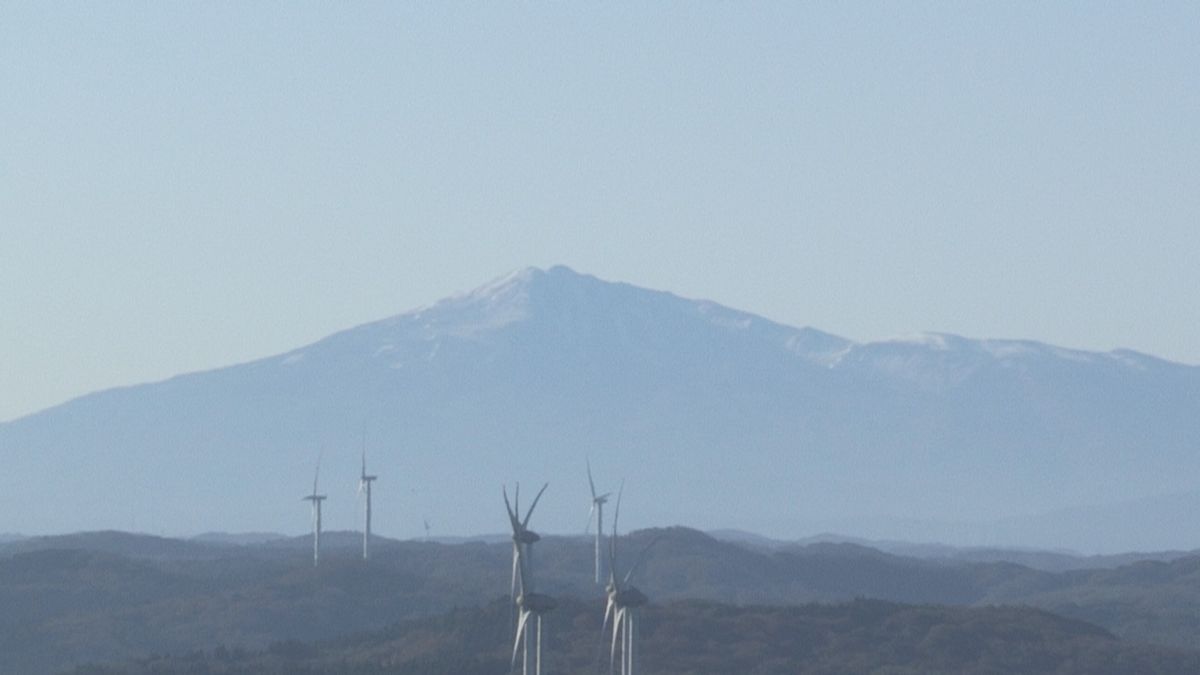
[(522, 537), (624, 604), (364, 488), (316, 500), (598, 502), (527, 602)]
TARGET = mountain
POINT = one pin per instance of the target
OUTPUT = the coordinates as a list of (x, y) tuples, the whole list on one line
[(714, 417), (111, 542), (1038, 559)]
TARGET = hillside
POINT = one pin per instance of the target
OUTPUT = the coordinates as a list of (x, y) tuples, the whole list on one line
[(702, 638), (104, 597)]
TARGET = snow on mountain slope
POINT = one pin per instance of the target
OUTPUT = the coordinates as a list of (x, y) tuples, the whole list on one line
[(578, 309)]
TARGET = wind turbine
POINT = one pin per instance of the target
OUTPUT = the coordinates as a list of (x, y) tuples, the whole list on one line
[(624, 604), (522, 537), (316, 500), (598, 502), (527, 602), (364, 487)]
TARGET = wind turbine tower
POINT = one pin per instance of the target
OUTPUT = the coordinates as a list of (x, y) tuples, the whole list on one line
[(530, 605), (598, 502), (364, 487), (316, 500)]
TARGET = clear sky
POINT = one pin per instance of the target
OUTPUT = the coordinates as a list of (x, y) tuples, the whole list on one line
[(184, 186)]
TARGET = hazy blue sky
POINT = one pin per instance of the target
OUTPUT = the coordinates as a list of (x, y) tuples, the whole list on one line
[(186, 186)]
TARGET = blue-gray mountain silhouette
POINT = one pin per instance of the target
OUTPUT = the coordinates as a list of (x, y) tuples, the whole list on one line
[(714, 417)]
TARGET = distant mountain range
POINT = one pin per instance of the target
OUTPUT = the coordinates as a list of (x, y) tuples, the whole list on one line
[(714, 418)]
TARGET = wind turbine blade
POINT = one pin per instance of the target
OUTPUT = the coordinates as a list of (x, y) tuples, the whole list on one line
[(522, 582), (612, 559), (521, 624), (317, 473), (617, 512), (516, 570), (533, 506), (588, 528), (618, 620), (512, 515), (590, 482), (642, 557), (612, 541), (364, 448)]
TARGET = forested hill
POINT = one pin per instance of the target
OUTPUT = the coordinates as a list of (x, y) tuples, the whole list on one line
[(112, 597), (703, 638)]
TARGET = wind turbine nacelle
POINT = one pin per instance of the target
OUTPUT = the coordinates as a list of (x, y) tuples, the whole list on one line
[(527, 537), (537, 603), (631, 597)]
